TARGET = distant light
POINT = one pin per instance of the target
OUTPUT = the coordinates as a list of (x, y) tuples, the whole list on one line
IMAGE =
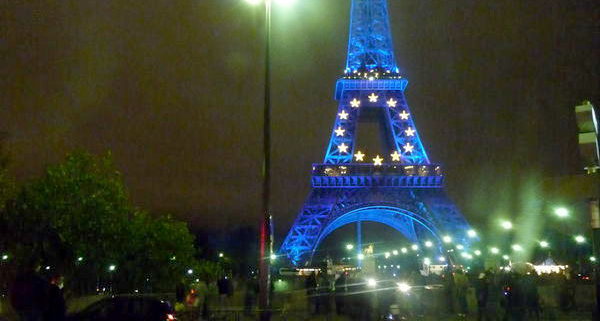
[(403, 250), (561, 212), (395, 252), (517, 247), (285, 2), (472, 233), (505, 257), (387, 254), (349, 246), (190, 271), (477, 252), (427, 261), (403, 287), (593, 258), (579, 239), (414, 247), (112, 267), (221, 254), (197, 280), (506, 225), (371, 282), (273, 257), (544, 244), (428, 244), (80, 259), (460, 247), (494, 250), (442, 259), (360, 256), (5, 257), (48, 267), (447, 239)]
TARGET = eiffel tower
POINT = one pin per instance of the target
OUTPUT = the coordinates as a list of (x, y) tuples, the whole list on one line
[(401, 189)]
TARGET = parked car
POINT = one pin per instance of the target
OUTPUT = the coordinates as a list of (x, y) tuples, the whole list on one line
[(130, 308)]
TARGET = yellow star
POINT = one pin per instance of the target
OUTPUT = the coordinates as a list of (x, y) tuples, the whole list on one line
[(359, 156), (410, 132), (343, 148), (343, 114), (395, 156), (373, 98), (391, 102), (408, 148), (404, 115), (355, 103), (339, 131), (377, 161)]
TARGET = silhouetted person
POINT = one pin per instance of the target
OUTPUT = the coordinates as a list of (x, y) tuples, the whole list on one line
[(340, 294), (29, 296), (310, 284), (462, 286), (481, 294), (450, 290), (250, 295), (532, 297), (57, 307)]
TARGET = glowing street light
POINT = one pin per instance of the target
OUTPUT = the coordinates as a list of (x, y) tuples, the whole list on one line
[(460, 247), (442, 259), (395, 252), (403, 250), (593, 258), (4, 257), (79, 259), (477, 252), (112, 267), (349, 246), (221, 254), (387, 254), (506, 225), (427, 261), (428, 244), (494, 250), (544, 244), (517, 248), (360, 256), (371, 282), (447, 239), (273, 257), (505, 257), (190, 271), (403, 287), (471, 233), (579, 239), (561, 212), (414, 247)]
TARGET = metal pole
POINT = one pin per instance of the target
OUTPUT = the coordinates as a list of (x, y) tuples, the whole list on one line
[(595, 223), (358, 242), (265, 239)]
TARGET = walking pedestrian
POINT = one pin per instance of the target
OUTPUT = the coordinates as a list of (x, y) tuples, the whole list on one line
[(57, 308), (462, 286), (481, 293)]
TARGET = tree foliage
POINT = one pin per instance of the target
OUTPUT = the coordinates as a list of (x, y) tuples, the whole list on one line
[(78, 220)]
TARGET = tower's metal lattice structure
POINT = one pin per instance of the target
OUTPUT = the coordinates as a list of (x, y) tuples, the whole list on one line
[(402, 189)]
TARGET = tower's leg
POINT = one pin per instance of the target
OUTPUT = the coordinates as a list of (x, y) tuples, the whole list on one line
[(359, 242)]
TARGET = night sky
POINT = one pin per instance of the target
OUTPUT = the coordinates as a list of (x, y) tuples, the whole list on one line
[(174, 89)]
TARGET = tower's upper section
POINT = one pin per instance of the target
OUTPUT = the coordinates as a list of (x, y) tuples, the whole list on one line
[(370, 42)]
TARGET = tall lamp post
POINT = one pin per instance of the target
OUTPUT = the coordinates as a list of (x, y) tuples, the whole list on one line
[(266, 243)]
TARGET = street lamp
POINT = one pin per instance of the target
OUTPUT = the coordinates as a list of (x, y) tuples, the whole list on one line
[(506, 225), (544, 244), (221, 254), (517, 248), (112, 267), (190, 271), (561, 212), (349, 247), (471, 233), (360, 257), (447, 239), (414, 247), (428, 244), (579, 239), (494, 250)]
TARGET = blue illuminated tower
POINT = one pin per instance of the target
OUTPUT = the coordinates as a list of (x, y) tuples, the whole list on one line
[(400, 188)]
